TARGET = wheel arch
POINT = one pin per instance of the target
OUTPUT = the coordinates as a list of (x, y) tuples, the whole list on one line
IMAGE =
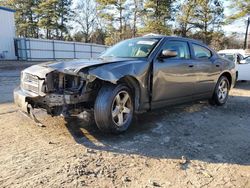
[(134, 85), (228, 76)]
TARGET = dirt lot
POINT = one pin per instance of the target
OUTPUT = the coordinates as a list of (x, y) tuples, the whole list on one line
[(193, 145)]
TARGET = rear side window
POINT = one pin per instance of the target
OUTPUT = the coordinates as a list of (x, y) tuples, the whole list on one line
[(180, 47), (201, 52)]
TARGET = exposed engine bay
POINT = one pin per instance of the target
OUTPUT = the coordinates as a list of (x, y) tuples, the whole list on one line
[(60, 93), (61, 83)]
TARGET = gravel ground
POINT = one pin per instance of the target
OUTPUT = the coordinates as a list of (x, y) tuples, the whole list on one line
[(192, 145)]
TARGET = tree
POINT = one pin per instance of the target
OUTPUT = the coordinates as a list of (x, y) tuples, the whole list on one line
[(53, 16), (185, 18), (25, 17), (135, 12), (200, 18), (241, 9), (64, 10), (48, 17), (32, 16), (85, 16), (208, 16), (112, 12), (98, 36), (156, 15)]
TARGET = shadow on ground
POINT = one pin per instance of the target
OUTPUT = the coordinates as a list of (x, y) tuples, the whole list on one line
[(243, 85), (197, 131)]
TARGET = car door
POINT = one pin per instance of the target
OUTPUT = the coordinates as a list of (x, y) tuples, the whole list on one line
[(173, 78), (243, 67), (206, 68)]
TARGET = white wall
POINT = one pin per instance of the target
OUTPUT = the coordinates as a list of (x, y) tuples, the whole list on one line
[(7, 34)]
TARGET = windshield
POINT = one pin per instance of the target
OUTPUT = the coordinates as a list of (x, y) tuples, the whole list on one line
[(247, 59), (228, 56), (138, 47)]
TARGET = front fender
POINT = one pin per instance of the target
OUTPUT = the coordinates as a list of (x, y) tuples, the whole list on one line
[(114, 72)]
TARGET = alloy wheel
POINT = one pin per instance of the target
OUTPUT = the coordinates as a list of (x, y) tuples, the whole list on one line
[(121, 108), (222, 90)]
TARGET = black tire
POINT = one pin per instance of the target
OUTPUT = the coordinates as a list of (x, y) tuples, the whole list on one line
[(104, 108), (217, 98)]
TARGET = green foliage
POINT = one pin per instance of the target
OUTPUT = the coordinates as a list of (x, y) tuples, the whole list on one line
[(34, 16), (53, 15), (109, 21), (121, 17), (112, 13), (157, 14), (241, 9), (26, 20), (158, 9), (155, 27), (48, 16), (185, 17), (204, 16), (65, 13), (208, 16)]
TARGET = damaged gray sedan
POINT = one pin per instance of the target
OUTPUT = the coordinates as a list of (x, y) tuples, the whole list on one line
[(135, 75)]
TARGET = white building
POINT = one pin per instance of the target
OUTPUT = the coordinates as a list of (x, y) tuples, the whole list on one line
[(7, 34)]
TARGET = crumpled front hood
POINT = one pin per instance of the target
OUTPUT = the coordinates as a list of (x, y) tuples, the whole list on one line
[(38, 71), (75, 65), (70, 67)]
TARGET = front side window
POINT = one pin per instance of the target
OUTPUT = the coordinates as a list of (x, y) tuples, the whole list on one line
[(181, 48), (201, 52), (138, 47)]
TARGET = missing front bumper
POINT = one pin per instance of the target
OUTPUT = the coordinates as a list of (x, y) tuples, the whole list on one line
[(21, 102), (20, 99)]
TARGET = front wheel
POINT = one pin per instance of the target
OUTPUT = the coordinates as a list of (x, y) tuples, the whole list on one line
[(221, 91), (114, 108)]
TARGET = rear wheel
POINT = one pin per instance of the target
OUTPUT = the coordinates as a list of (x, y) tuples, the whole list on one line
[(114, 108), (221, 91)]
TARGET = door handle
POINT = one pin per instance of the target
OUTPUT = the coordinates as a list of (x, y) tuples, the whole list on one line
[(190, 65), (217, 65)]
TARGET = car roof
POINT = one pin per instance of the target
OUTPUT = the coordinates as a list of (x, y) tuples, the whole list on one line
[(233, 51), (173, 38)]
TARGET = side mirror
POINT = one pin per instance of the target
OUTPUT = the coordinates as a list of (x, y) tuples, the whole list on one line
[(168, 53)]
